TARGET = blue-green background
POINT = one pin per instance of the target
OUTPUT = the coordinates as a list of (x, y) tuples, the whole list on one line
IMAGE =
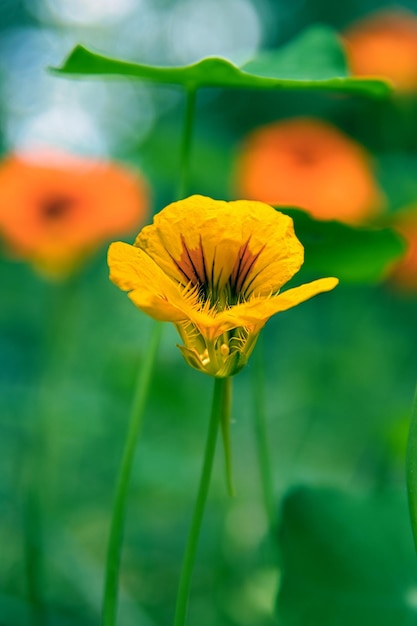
[(340, 369)]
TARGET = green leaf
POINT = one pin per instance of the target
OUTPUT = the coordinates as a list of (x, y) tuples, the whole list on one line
[(354, 255), (348, 560), (397, 174), (315, 60)]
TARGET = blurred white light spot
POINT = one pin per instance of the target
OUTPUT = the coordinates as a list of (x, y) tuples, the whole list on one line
[(85, 12), (228, 28), (70, 128), (80, 114)]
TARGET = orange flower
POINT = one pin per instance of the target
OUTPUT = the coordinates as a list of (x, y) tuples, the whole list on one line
[(385, 44), (56, 208), (309, 164), (404, 272)]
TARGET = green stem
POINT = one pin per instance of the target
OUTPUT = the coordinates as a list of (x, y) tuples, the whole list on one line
[(109, 612), (117, 522), (411, 467), (227, 444), (220, 406), (33, 555), (186, 143), (261, 436)]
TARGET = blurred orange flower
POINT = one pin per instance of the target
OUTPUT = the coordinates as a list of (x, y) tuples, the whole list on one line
[(404, 272), (385, 44), (308, 163), (56, 208)]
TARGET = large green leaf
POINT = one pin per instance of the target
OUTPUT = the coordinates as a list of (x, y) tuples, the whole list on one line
[(315, 60), (348, 560), (354, 255)]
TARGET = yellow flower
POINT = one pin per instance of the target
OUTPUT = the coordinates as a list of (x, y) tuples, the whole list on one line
[(215, 270)]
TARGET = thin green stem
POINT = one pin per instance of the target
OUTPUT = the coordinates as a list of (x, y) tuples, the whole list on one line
[(33, 555), (186, 143), (117, 522), (109, 612), (220, 406), (411, 467), (261, 433), (227, 444)]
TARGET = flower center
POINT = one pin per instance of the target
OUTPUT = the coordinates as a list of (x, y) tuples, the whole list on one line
[(208, 278), (304, 155), (56, 207)]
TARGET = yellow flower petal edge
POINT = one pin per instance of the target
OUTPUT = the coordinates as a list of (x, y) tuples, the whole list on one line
[(150, 289), (255, 313), (214, 269)]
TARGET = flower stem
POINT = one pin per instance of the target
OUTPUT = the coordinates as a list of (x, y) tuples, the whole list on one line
[(109, 611), (220, 406), (227, 445), (34, 555), (411, 467), (117, 522), (186, 143), (261, 436)]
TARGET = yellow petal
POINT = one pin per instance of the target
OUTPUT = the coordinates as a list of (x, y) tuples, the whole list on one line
[(257, 311), (150, 289), (159, 296), (204, 238)]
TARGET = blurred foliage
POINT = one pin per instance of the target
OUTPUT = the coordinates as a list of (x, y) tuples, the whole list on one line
[(347, 558), (315, 434), (356, 255)]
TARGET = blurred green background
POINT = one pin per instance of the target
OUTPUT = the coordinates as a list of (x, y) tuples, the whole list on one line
[(340, 370)]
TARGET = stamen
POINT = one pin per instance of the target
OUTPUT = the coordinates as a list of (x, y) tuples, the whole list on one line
[(204, 357), (224, 349)]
